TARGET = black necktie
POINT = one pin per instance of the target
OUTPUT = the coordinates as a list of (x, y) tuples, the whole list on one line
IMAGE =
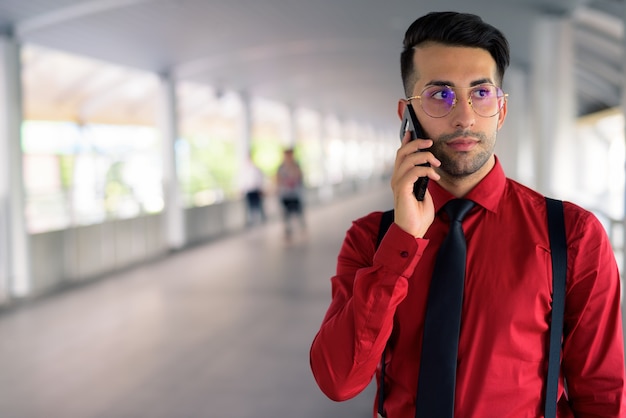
[(437, 375)]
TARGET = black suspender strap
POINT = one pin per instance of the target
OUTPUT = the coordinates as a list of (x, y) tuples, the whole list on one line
[(558, 248), (381, 385), (385, 223)]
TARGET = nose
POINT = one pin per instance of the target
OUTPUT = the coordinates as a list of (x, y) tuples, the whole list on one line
[(463, 115)]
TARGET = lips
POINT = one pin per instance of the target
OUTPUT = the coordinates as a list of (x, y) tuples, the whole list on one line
[(462, 145)]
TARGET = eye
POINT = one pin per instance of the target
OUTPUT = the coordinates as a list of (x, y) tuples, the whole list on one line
[(482, 92), (441, 93)]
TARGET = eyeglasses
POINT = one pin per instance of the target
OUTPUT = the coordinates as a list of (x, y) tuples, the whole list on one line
[(438, 101)]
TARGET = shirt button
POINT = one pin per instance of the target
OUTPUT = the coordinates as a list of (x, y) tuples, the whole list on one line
[(404, 254)]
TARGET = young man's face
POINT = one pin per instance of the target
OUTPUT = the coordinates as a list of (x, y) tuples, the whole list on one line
[(463, 140)]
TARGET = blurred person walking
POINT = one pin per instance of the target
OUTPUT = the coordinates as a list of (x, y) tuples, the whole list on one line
[(290, 183), (253, 184)]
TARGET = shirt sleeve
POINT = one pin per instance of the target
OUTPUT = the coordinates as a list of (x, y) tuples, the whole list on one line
[(368, 286), (593, 347)]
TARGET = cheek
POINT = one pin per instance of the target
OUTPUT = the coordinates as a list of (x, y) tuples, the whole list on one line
[(489, 128), (433, 130)]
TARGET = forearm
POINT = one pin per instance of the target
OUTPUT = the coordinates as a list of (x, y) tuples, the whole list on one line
[(593, 354), (359, 321), (349, 344), (593, 361)]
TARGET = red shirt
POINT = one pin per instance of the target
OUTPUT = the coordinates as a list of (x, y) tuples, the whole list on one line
[(380, 295)]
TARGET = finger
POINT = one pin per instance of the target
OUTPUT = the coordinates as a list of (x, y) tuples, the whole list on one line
[(408, 149), (418, 145), (424, 171), (407, 166), (418, 169), (407, 138), (419, 158), (407, 175)]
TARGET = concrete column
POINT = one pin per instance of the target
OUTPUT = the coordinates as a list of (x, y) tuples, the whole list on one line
[(322, 179), (245, 132), (244, 139), (326, 189), (553, 105), (174, 211), (514, 146), (292, 138), (623, 266), (15, 271)]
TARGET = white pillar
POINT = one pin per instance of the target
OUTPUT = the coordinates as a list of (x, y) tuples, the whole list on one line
[(15, 269), (514, 146), (623, 267), (174, 211), (553, 104), (326, 134), (243, 137), (245, 127), (292, 138)]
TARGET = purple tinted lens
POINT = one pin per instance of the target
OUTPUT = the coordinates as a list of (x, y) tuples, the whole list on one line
[(448, 96), (437, 101)]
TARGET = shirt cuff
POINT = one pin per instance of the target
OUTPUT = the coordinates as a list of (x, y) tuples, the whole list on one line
[(399, 251)]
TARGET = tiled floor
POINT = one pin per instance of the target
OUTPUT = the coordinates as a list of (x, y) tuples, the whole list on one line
[(220, 330)]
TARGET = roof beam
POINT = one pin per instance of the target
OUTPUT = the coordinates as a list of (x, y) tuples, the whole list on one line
[(62, 15)]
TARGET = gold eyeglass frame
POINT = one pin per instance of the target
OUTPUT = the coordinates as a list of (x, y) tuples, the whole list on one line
[(456, 99)]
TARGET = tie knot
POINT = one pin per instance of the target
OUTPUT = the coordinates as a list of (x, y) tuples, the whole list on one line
[(458, 208)]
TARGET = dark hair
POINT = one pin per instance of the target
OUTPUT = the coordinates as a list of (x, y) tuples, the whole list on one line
[(455, 29)]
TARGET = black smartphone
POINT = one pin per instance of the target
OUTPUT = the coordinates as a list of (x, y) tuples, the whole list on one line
[(410, 123)]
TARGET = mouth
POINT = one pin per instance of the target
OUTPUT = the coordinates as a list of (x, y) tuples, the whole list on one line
[(462, 144)]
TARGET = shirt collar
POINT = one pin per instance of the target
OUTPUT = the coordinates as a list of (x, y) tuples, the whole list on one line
[(487, 193)]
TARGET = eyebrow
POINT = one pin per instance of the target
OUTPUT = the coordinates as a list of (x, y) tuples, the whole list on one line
[(451, 84)]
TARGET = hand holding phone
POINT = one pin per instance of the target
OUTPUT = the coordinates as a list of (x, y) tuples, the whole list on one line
[(410, 123)]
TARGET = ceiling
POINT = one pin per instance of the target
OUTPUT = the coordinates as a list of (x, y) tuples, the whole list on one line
[(336, 56)]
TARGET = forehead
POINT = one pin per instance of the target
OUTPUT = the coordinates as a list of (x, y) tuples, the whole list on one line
[(458, 66)]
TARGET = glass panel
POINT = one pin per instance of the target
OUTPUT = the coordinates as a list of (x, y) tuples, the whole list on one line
[(81, 175)]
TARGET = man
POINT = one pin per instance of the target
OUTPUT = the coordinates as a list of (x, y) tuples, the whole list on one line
[(452, 68), (252, 183), (289, 179)]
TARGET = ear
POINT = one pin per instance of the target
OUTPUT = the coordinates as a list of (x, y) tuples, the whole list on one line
[(401, 106), (502, 114)]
